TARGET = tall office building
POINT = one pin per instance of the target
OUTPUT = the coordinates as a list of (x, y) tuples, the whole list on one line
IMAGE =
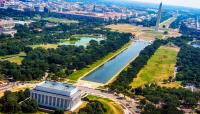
[(158, 17)]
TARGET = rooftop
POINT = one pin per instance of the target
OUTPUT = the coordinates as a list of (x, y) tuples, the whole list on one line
[(56, 88)]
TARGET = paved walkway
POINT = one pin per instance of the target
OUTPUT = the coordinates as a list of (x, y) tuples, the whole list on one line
[(88, 84), (129, 105)]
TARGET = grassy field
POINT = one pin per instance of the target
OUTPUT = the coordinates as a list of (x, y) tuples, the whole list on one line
[(15, 58), (168, 22), (77, 36), (68, 41), (150, 34), (45, 46), (159, 67), (144, 33), (176, 84), (82, 106), (84, 35), (112, 107), (83, 72), (140, 32), (57, 20), (39, 112)]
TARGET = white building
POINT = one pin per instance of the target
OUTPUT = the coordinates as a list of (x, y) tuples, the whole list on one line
[(11, 32), (56, 95), (7, 24)]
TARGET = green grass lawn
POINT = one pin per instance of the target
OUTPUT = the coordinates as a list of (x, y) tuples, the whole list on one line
[(69, 41), (45, 46), (176, 84), (39, 112), (152, 33), (77, 36), (57, 20), (83, 72), (85, 35), (168, 22), (159, 67), (15, 58), (111, 107)]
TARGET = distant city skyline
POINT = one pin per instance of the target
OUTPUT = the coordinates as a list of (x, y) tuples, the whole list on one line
[(186, 3)]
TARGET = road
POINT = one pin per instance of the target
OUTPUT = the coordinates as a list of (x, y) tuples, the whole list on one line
[(15, 86), (6, 87), (129, 105), (11, 86)]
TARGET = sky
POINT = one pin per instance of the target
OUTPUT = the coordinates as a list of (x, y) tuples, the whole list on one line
[(187, 3)]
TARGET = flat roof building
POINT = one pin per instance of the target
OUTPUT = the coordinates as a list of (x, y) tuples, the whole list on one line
[(7, 24), (56, 95), (11, 32)]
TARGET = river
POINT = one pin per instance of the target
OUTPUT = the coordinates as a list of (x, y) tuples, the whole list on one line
[(104, 73)]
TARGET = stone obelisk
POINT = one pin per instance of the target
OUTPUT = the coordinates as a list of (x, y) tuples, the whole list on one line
[(158, 17), (197, 23)]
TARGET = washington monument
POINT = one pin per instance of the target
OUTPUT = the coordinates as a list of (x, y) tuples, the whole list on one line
[(158, 17), (197, 23)]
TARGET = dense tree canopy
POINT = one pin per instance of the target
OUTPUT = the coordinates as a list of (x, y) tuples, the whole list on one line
[(93, 107), (188, 65), (166, 99), (9, 103), (59, 62), (65, 59)]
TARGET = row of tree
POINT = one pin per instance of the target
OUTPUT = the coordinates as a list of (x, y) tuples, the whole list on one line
[(165, 100), (188, 70), (188, 65), (9, 103), (27, 35), (63, 60), (121, 84), (92, 107)]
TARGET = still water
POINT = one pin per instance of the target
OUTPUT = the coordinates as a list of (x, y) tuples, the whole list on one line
[(104, 73), (196, 45), (84, 41)]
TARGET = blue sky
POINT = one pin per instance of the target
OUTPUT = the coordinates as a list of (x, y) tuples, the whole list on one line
[(187, 3)]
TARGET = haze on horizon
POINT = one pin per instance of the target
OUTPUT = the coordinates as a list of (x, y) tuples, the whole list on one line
[(185, 3)]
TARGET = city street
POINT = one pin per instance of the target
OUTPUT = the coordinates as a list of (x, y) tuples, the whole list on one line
[(129, 106)]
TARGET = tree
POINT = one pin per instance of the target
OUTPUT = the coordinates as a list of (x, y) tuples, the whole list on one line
[(9, 102), (27, 49), (150, 109), (29, 106), (58, 111), (89, 109), (164, 26), (166, 32)]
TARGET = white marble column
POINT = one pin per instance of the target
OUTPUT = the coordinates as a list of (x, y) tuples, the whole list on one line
[(44, 97), (47, 100)]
